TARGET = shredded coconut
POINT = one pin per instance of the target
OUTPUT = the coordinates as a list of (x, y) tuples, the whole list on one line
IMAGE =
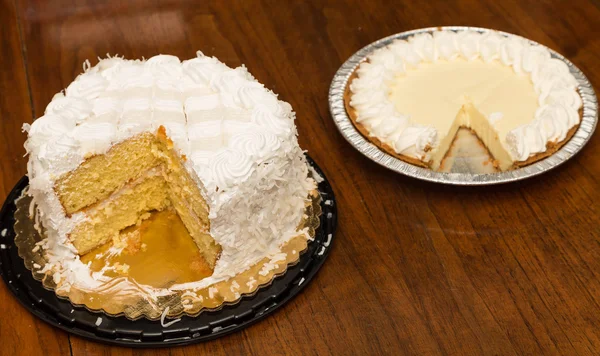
[(31, 208), (3, 233), (234, 286), (164, 315), (329, 236), (301, 281), (98, 321), (211, 292), (251, 283), (316, 176)]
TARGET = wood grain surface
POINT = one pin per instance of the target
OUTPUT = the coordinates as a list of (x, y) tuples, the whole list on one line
[(417, 268)]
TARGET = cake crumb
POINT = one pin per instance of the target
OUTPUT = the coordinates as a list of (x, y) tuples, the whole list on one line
[(36, 248), (134, 242), (142, 218), (3, 246), (121, 268), (3, 233)]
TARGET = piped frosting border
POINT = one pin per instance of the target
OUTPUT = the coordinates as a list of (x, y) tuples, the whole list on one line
[(555, 86)]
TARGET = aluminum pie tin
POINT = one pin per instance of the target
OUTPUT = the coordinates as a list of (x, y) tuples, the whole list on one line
[(344, 124)]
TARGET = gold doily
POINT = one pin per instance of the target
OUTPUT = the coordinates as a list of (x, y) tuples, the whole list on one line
[(124, 296)]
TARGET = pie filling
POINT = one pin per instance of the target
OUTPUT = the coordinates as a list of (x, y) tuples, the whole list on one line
[(488, 98)]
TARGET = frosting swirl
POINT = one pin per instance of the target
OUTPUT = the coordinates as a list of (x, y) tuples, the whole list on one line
[(564, 97), (164, 67), (56, 152), (95, 138), (88, 85), (406, 52), (106, 105), (230, 166), (415, 139), (267, 118), (533, 57), (203, 69), (70, 108), (424, 46), (446, 44), (468, 44), (489, 46), (254, 143), (44, 129)]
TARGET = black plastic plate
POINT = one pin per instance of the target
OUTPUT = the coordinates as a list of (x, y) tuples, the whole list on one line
[(145, 333)]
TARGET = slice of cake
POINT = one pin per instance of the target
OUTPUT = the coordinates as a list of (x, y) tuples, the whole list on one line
[(129, 137), (411, 97)]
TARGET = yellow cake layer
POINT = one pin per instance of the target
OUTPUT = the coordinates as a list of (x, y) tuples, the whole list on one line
[(179, 181), (99, 176), (124, 209), (191, 208), (116, 189)]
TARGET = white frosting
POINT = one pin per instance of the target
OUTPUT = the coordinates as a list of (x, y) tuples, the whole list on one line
[(237, 135), (555, 86)]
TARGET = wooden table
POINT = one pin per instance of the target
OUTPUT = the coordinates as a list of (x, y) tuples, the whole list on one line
[(417, 268)]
